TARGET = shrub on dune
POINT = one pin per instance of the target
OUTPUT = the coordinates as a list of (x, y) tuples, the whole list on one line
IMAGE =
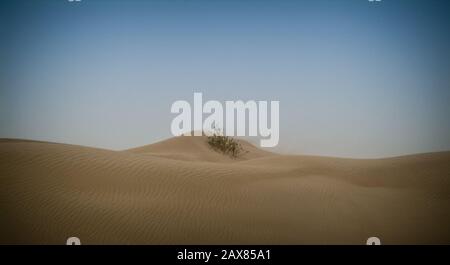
[(225, 144)]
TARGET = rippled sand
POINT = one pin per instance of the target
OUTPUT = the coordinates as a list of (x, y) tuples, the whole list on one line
[(179, 191)]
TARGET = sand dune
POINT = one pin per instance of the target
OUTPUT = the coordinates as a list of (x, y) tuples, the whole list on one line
[(196, 149), (180, 191)]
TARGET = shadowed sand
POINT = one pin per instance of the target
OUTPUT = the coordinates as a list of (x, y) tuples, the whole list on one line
[(180, 191)]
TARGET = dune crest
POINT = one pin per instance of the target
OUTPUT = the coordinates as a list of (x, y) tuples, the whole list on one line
[(179, 191), (196, 148)]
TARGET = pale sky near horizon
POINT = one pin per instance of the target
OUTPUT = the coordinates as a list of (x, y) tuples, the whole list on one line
[(354, 78)]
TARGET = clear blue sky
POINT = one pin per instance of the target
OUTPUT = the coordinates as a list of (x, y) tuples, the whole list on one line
[(354, 78)]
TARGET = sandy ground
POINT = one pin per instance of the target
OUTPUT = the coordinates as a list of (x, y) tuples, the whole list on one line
[(180, 191)]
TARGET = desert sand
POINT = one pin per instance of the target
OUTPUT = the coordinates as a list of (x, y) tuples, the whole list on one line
[(180, 191)]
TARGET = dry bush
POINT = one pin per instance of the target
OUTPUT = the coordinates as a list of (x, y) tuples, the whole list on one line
[(225, 144)]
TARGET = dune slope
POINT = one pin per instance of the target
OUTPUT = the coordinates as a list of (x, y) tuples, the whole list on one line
[(180, 191), (196, 149)]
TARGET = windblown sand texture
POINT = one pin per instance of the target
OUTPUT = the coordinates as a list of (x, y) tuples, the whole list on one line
[(180, 191)]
